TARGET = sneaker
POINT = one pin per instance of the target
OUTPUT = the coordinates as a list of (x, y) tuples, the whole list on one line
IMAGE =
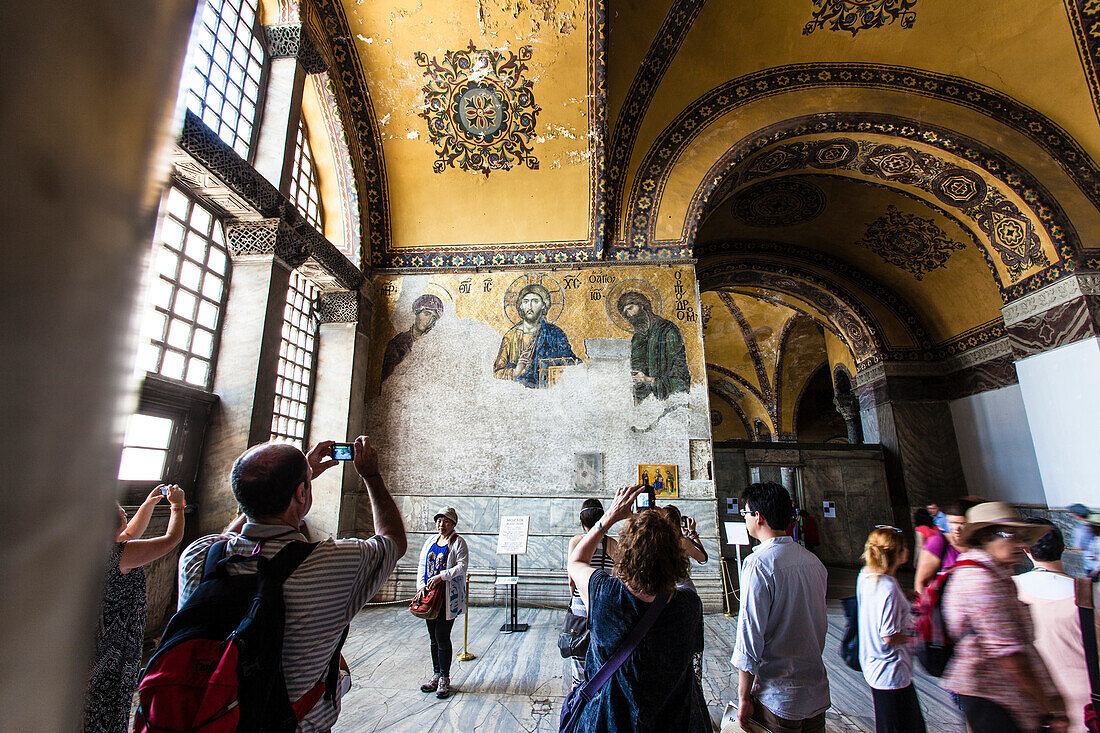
[(444, 689), (430, 685)]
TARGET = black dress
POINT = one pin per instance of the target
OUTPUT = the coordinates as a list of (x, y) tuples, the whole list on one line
[(655, 689), (116, 664)]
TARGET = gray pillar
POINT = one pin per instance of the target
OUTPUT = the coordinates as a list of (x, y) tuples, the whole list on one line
[(77, 207), (913, 423), (1055, 336), (293, 56), (337, 413), (248, 358)]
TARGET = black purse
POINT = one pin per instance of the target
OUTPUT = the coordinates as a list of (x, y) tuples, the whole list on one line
[(573, 638)]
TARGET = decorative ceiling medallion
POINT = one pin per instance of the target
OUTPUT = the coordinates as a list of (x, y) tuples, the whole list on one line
[(858, 15), (480, 109), (1013, 236), (909, 242), (902, 164), (778, 203), (959, 187)]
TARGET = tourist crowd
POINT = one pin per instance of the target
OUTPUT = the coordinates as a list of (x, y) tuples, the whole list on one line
[(261, 595)]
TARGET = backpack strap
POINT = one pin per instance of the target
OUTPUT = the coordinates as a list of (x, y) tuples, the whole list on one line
[(287, 560), (1086, 611), (214, 555)]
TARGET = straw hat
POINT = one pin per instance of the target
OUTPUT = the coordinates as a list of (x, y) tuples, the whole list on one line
[(449, 513), (999, 514)]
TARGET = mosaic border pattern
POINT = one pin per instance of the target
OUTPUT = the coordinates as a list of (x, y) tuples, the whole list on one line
[(1084, 17)]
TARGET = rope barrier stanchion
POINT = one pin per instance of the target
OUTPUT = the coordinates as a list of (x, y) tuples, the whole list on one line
[(465, 656)]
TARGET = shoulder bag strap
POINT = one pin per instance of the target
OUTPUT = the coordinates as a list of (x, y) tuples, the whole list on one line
[(1083, 593), (625, 649)]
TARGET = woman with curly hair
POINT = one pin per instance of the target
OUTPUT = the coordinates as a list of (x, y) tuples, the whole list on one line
[(655, 688)]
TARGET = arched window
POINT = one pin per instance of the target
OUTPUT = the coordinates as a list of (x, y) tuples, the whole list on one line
[(304, 189), (223, 83), (296, 361)]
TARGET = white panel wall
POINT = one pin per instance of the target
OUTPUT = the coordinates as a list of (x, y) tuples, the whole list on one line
[(1061, 393), (995, 446)]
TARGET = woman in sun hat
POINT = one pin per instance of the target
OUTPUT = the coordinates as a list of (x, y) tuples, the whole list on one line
[(1000, 679), (443, 560)]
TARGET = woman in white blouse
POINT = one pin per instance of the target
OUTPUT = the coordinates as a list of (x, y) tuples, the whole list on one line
[(443, 560), (884, 626)]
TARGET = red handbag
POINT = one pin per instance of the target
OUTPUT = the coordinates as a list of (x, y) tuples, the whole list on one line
[(426, 602)]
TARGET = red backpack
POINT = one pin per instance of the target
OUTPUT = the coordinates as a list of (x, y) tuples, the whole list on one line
[(934, 645), (218, 667)]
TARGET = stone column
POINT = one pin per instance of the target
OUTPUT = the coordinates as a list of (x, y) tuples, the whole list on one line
[(909, 417), (339, 385), (1055, 337), (83, 141), (262, 259), (847, 404), (292, 56)]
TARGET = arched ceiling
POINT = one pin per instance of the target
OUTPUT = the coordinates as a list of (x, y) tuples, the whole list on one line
[(947, 152)]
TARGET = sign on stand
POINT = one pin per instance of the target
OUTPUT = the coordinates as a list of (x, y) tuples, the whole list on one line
[(512, 540)]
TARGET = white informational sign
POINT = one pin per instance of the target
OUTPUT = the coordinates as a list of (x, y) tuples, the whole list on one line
[(508, 580), (737, 533), (512, 539), (829, 509)]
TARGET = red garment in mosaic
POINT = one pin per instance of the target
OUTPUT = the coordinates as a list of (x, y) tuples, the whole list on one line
[(982, 610)]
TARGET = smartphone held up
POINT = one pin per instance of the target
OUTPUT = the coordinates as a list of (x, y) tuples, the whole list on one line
[(343, 451)]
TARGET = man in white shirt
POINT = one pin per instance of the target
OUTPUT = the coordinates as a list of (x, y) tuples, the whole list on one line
[(782, 683), (272, 483)]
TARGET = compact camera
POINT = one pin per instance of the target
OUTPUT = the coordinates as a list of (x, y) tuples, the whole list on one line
[(343, 451)]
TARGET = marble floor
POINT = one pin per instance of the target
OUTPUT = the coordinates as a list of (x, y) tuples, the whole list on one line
[(517, 682)]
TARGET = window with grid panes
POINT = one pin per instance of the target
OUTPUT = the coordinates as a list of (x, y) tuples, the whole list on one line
[(188, 292), (224, 83), (296, 359), (304, 190)]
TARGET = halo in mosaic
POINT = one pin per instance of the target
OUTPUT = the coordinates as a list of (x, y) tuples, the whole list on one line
[(480, 109), (907, 241), (782, 202), (858, 15)]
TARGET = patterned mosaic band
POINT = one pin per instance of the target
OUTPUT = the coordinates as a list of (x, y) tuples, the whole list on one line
[(292, 238), (291, 40), (339, 306), (1084, 16)]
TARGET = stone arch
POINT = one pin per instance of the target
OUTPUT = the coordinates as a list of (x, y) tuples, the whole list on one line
[(949, 181)]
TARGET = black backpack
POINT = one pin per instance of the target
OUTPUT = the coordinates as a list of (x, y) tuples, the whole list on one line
[(218, 666)]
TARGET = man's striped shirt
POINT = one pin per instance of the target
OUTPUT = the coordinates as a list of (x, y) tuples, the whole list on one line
[(322, 596)]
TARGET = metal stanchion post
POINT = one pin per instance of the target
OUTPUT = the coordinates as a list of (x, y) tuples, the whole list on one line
[(465, 656)]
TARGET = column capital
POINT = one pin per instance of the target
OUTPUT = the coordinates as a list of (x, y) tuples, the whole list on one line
[(1061, 313), (291, 40), (339, 306), (266, 237)]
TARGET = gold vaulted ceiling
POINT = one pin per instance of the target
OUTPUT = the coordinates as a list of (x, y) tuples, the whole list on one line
[(634, 126)]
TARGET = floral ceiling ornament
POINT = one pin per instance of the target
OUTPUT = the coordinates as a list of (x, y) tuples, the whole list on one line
[(858, 15), (909, 242), (480, 109)]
